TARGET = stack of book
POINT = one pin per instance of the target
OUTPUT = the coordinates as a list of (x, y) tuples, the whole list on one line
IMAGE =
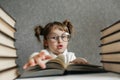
[(110, 47), (8, 56)]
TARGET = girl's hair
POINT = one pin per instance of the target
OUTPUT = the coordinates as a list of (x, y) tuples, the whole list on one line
[(64, 26)]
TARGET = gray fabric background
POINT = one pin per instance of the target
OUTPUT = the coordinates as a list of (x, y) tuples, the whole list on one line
[(87, 16)]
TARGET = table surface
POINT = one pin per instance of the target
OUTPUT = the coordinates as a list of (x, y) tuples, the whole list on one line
[(93, 76)]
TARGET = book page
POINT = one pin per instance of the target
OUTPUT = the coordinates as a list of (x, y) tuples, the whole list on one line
[(53, 67), (59, 61), (56, 63)]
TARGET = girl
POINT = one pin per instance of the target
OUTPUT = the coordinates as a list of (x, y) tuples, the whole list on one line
[(56, 37)]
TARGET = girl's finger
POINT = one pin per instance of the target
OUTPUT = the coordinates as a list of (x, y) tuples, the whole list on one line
[(48, 57), (26, 66), (40, 63), (43, 56), (32, 62)]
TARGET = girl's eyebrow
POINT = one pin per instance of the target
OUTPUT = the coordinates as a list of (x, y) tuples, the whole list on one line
[(52, 33), (55, 33), (62, 33)]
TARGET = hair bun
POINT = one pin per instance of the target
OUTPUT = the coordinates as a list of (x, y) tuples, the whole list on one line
[(38, 31), (68, 24)]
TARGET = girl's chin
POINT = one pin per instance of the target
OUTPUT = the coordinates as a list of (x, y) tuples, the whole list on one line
[(60, 51)]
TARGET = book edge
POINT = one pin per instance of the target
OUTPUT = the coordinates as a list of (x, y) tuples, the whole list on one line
[(110, 34), (9, 68), (113, 62), (7, 35), (110, 53), (7, 13), (8, 46), (8, 24), (109, 43), (110, 25)]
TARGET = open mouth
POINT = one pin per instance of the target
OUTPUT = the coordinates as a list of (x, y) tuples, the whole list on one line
[(60, 46)]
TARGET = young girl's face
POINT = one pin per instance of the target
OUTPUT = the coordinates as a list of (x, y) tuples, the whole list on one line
[(57, 41)]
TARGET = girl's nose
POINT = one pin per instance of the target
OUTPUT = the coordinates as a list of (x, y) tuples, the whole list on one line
[(60, 39)]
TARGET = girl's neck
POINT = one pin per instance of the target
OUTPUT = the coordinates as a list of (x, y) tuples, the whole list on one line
[(56, 53)]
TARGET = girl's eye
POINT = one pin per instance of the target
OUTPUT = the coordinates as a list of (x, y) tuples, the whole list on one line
[(64, 36), (54, 37)]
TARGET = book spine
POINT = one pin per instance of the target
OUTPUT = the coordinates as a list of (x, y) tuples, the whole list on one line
[(4, 15), (110, 34), (7, 13), (8, 46), (7, 35), (110, 26), (109, 43), (8, 24), (9, 68)]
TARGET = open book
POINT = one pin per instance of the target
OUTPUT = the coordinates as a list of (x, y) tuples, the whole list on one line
[(58, 67)]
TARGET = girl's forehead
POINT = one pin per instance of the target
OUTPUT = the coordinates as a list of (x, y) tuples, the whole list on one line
[(57, 31)]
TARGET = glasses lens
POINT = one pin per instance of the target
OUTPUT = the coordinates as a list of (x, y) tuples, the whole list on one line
[(54, 37), (65, 37)]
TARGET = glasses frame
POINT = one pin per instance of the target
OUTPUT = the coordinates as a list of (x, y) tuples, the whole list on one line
[(56, 38)]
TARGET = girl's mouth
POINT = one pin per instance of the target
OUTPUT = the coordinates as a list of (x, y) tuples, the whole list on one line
[(60, 46)]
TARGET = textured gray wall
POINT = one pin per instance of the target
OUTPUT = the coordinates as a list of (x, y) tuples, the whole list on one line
[(88, 17)]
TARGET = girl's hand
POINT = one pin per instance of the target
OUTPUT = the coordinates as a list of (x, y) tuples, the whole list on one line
[(79, 61), (38, 60)]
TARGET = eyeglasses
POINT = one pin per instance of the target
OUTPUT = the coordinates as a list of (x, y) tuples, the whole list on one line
[(54, 37)]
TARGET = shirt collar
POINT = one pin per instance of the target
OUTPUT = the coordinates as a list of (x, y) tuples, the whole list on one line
[(52, 54)]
